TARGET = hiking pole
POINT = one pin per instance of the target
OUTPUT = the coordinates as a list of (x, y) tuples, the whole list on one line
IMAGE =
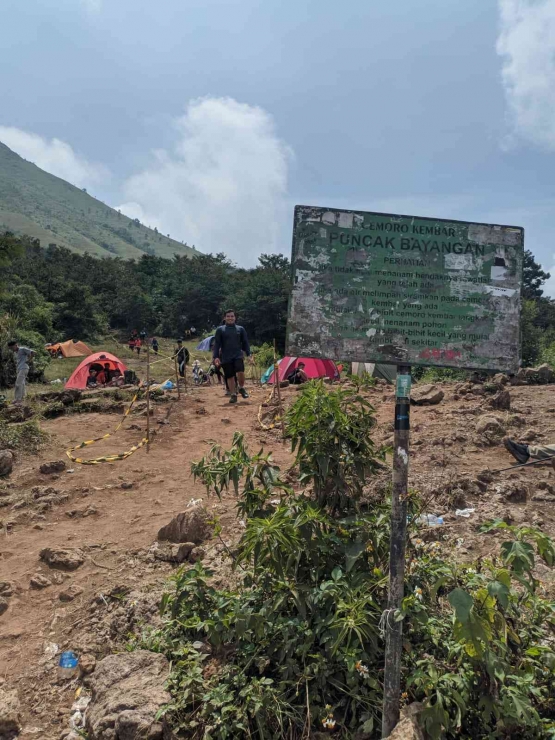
[(524, 465)]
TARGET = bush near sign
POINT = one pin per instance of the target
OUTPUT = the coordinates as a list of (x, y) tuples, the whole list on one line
[(377, 287)]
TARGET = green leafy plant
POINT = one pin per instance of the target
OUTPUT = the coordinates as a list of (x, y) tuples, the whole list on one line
[(330, 434)]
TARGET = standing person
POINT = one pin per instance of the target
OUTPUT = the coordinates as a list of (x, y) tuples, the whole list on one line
[(230, 342), (155, 345), (183, 356), (131, 343), (138, 344), (22, 354)]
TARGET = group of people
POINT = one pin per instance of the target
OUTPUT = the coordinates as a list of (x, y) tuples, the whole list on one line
[(104, 375), (137, 342)]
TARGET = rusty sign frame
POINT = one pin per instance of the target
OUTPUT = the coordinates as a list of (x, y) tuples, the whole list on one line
[(390, 288)]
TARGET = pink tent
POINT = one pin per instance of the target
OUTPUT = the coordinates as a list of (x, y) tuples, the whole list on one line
[(313, 368), (79, 376)]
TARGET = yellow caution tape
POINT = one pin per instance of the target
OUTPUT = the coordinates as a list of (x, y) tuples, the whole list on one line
[(107, 458)]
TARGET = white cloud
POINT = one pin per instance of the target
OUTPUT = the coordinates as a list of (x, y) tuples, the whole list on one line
[(223, 186), (527, 44), (54, 156)]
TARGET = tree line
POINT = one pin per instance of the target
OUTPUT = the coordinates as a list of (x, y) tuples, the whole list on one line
[(80, 296)]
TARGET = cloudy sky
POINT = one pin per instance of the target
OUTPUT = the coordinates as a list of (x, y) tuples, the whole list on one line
[(210, 119)]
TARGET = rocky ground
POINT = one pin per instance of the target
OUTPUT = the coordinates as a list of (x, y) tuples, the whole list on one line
[(81, 565)]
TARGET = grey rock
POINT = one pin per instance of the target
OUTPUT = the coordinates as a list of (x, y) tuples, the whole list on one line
[(56, 466), (127, 692), (193, 525), (61, 558), (196, 554), (38, 582), (490, 427), (174, 553), (407, 728), (10, 714), (6, 589), (501, 401), (426, 395), (6, 462)]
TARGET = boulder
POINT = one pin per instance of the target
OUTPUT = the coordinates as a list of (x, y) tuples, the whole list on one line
[(56, 466), (87, 664), (514, 492), (490, 427), (10, 714), (127, 692), (426, 395), (193, 525), (545, 374), (408, 728), (6, 462), (174, 553), (62, 559), (500, 379), (501, 401)]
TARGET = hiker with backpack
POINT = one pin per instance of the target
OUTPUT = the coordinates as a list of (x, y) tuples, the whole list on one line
[(230, 344)]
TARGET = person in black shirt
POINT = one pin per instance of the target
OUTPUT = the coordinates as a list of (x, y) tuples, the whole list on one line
[(183, 356), (230, 343)]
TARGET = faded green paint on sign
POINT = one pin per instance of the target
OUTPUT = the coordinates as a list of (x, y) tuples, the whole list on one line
[(374, 287)]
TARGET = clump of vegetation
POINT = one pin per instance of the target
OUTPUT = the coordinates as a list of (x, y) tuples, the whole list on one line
[(27, 436), (298, 645)]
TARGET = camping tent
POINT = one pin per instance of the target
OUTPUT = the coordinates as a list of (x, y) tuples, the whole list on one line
[(71, 348), (79, 376), (206, 344), (313, 368), (375, 370)]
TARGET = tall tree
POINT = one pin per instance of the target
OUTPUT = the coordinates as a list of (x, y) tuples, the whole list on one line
[(533, 277)]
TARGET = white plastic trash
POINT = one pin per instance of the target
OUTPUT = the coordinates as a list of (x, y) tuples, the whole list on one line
[(430, 519), (464, 512)]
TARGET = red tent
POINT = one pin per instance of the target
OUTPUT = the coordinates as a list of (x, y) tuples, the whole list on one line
[(313, 368), (79, 376)]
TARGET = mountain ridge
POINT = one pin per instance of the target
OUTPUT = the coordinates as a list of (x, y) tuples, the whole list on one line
[(48, 208)]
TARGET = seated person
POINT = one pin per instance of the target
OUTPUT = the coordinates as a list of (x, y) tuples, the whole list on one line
[(298, 375), (117, 378), (91, 379), (107, 372)]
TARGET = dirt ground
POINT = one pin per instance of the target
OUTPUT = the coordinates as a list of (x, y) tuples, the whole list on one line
[(113, 512)]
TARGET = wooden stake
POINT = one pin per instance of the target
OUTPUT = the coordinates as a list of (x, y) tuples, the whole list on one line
[(393, 628), (147, 396), (277, 386)]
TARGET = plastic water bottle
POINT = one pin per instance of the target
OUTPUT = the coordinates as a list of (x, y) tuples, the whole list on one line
[(68, 665), (430, 519)]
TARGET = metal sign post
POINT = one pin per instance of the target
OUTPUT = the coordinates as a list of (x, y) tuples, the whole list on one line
[(403, 290), (393, 628)]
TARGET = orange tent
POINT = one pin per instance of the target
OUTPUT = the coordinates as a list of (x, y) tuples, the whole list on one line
[(71, 348), (78, 378)]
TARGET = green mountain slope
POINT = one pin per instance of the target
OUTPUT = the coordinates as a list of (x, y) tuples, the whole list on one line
[(48, 208)]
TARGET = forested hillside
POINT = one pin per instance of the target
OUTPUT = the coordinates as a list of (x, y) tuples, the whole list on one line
[(47, 208)]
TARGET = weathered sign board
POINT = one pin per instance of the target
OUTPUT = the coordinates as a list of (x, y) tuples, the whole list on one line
[(377, 287)]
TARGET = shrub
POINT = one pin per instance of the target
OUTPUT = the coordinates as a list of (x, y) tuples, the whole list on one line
[(27, 436)]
